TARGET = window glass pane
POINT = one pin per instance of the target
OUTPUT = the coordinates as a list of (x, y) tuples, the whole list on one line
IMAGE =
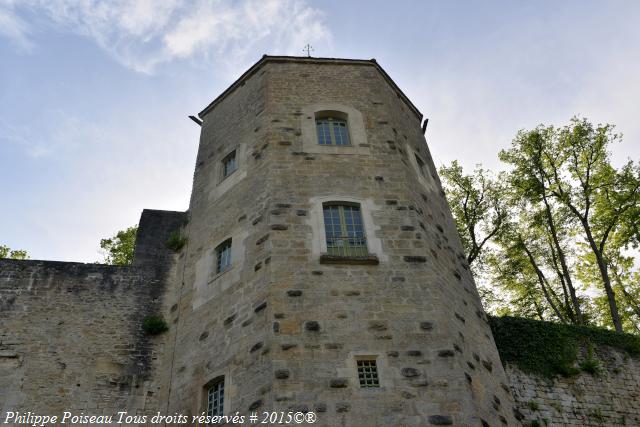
[(215, 399), (340, 132), (229, 164), (324, 135), (223, 255)]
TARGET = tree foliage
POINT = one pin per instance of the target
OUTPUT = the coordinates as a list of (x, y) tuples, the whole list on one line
[(477, 209), (7, 252), (118, 250), (566, 244)]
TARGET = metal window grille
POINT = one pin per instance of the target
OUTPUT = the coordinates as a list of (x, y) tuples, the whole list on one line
[(332, 131), (229, 164), (344, 230), (368, 373), (223, 256), (215, 399)]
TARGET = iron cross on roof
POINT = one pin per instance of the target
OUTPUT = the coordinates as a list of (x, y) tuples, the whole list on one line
[(308, 48)]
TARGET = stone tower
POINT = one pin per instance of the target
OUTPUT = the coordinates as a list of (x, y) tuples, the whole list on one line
[(322, 270)]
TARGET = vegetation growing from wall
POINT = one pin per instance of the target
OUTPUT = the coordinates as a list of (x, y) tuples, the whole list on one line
[(176, 241), (550, 349), (154, 325), (7, 252), (118, 250)]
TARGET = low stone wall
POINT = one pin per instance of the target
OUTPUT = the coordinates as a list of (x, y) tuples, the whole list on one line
[(609, 398)]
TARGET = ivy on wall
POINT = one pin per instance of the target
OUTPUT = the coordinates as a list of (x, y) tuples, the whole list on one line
[(550, 349)]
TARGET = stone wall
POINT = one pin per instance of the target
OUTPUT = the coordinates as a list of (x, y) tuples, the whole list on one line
[(71, 336), (609, 398), (416, 312)]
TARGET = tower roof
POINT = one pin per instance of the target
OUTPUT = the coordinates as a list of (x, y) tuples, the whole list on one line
[(310, 60)]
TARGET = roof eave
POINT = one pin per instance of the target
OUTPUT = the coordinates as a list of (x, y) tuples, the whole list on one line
[(266, 58)]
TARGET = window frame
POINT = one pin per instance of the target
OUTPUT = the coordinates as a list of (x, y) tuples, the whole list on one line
[(358, 141), (315, 220), (334, 121), (422, 166), (227, 244), (359, 249), (362, 377), (218, 386), (232, 155)]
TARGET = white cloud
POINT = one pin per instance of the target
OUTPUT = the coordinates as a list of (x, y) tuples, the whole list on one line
[(14, 28), (141, 34)]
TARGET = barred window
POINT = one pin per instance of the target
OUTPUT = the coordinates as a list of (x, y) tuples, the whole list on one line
[(368, 373), (332, 131), (223, 256), (215, 399), (344, 230), (229, 164)]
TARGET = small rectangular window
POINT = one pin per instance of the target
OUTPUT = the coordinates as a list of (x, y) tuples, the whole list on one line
[(421, 166), (368, 373), (229, 164), (223, 256), (215, 399)]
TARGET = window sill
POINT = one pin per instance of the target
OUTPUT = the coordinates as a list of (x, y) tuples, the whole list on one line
[(370, 259), (224, 177), (220, 274)]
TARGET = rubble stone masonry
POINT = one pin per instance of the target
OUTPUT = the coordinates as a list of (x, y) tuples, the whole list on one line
[(283, 327)]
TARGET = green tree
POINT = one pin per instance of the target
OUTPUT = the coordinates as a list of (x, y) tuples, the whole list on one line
[(118, 250), (566, 242), (7, 252), (479, 211), (523, 254), (528, 181), (575, 170)]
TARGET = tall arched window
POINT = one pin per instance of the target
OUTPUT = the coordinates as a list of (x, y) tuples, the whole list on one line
[(344, 229)]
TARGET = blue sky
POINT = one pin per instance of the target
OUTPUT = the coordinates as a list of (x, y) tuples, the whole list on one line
[(94, 96)]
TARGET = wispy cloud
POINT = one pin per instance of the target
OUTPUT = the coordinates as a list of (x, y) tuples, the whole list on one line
[(141, 34), (14, 28)]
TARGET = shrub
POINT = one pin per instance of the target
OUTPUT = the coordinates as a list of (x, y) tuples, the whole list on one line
[(176, 241), (590, 364), (154, 325)]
